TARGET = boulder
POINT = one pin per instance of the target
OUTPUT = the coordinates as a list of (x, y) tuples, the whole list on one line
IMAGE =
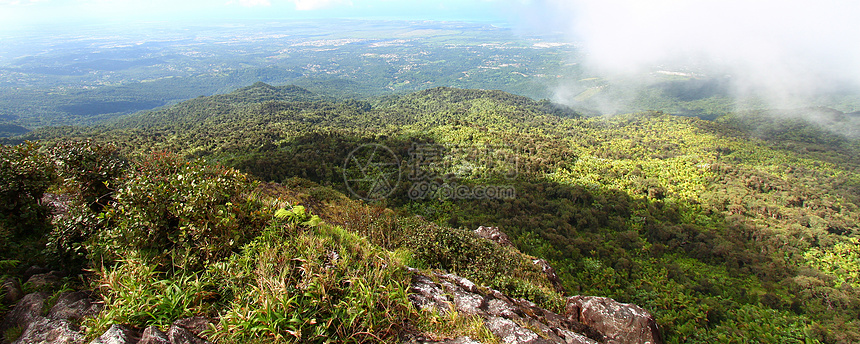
[(618, 322), (44, 330), (59, 203), (74, 306), (117, 334), (46, 279), (511, 332), (152, 335), (179, 335), (495, 235), (462, 340), (427, 294), (513, 321), (196, 325), (28, 309)]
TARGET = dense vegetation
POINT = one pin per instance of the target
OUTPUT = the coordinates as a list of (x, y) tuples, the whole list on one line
[(82, 76), (741, 228)]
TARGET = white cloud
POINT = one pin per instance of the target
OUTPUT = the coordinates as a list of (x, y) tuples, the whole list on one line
[(309, 5), (252, 3), (784, 47)]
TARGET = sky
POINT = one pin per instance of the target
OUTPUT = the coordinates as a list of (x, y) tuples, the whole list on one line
[(23, 13), (786, 48)]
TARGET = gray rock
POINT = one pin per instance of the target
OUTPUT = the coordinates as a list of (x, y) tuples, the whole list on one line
[(179, 335), (59, 203), (44, 330), (426, 294), (196, 325), (461, 340), (618, 322), (465, 297), (587, 320), (495, 235), (74, 306), (152, 335), (116, 334), (510, 332), (513, 321), (499, 308), (47, 279), (12, 291), (571, 337), (24, 312)]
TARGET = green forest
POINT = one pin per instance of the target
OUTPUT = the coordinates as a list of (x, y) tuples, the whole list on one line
[(742, 228)]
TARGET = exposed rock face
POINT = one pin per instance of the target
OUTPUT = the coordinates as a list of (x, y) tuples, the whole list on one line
[(45, 279), (513, 321), (152, 335), (116, 334), (619, 322), (71, 307), (25, 312), (44, 330), (74, 306), (586, 320), (59, 203), (495, 235), (179, 335), (195, 325)]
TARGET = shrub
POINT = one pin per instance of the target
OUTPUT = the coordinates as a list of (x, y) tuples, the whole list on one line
[(88, 168), (25, 174), (89, 171), (178, 213)]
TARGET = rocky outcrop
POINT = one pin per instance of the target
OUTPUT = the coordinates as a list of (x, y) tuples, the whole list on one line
[(75, 306), (72, 307), (117, 334), (45, 280), (27, 310), (44, 330), (618, 322), (152, 335), (189, 331), (586, 319), (513, 321), (495, 235)]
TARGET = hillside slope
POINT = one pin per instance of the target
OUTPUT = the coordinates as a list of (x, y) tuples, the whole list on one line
[(726, 230)]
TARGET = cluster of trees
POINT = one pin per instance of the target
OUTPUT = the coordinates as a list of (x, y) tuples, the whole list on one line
[(727, 230)]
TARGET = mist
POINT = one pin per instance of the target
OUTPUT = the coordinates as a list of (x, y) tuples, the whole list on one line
[(786, 53)]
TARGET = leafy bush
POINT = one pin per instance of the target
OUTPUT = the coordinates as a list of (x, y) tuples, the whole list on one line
[(25, 174), (178, 213), (88, 170)]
